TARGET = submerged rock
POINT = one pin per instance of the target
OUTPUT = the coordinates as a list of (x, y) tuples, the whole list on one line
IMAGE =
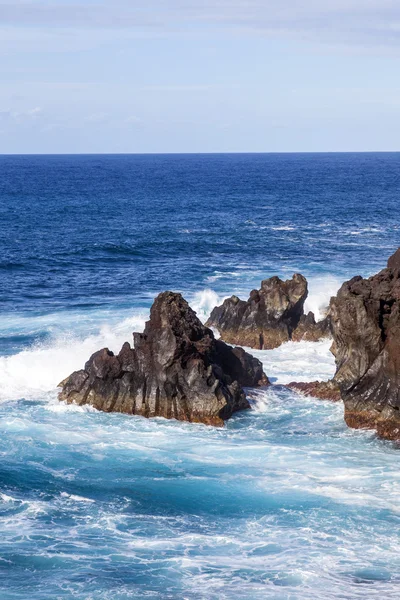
[(324, 390), (272, 315), (365, 317), (177, 369)]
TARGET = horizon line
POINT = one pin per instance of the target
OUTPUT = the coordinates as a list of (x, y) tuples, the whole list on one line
[(199, 153)]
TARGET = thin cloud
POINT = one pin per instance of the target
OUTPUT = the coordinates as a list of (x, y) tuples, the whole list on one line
[(133, 120), (368, 22), (98, 117), (19, 117), (176, 88)]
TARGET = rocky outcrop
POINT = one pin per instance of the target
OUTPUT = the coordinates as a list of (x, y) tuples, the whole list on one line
[(272, 315), (365, 317), (267, 319), (324, 390), (310, 330), (177, 369)]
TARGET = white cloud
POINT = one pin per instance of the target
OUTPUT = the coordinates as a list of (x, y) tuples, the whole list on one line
[(176, 88), (34, 112), (19, 117)]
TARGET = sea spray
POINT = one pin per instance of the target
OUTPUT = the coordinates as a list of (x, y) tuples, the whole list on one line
[(203, 302), (41, 367), (320, 291)]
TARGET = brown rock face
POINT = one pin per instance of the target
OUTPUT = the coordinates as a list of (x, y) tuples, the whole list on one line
[(267, 319), (176, 370), (365, 318), (394, 261), (324, 390)]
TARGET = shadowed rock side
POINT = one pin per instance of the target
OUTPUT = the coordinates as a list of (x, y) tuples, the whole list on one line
[(324, 390), (365, 318), (310, 330), (269, 317), (176, 370)]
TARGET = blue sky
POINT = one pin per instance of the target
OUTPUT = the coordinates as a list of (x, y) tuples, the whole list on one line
[(199, 76)]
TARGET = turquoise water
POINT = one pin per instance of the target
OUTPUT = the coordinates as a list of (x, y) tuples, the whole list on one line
[(285, 502)]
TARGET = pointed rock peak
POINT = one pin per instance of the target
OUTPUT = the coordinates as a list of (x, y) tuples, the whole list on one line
[(171, 311), (176, 370)]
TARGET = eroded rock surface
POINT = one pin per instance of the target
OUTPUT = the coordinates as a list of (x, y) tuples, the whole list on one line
[(177, 369), (267, 319), (324, 390), (365, 317)]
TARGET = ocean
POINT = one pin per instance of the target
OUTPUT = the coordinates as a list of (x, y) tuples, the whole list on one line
[(284, 502)]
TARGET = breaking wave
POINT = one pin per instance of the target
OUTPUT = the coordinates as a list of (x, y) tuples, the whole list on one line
[(41, 367)]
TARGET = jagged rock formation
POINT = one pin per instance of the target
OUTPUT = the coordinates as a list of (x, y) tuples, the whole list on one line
[(310, 330), (177, 369), (269, 317), (324, 390), (365, 318)]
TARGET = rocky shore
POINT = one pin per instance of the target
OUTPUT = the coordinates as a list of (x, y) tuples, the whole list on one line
[(178, 369)]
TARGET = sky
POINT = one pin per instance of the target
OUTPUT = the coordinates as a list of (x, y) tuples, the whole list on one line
[(121, 76)]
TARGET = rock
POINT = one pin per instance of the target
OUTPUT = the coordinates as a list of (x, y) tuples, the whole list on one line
[(365, 318), (267, 319), (310, 330), (394, 261), (176, 370), (324, 390)]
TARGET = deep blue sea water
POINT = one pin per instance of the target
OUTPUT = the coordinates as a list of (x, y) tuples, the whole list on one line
[(284, 502)]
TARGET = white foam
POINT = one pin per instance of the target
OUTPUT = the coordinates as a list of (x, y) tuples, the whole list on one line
[(77, 498), (221, 275), (6, 498), (56, 406), (298, 361), (366, 230), (284, 228)]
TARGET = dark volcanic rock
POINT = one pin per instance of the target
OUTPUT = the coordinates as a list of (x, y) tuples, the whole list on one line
[(176, 370), (267, 319), (365, 318), (310, 330), (394, 261), (324, 390)]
